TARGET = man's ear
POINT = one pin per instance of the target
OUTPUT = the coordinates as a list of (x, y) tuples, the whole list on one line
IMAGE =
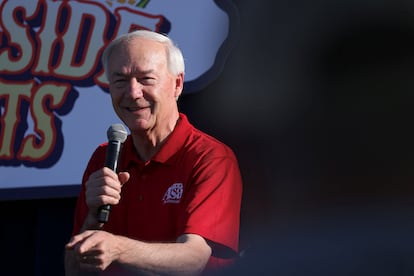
[(179, 85)]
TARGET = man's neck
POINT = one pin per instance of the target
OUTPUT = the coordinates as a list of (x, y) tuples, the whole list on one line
[(147, 144)]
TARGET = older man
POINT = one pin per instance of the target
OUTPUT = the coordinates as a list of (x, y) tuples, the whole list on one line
[(176, 198)]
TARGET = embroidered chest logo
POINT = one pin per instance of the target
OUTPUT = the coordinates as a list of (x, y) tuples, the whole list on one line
[(173, 193)]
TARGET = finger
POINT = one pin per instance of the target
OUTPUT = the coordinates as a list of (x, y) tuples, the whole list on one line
[(91, 259), (78, 238), (104, 171), (90, 263), (110, 180), (107, 172), (102, 190), (103, 178), (89, 245), (123, 177)]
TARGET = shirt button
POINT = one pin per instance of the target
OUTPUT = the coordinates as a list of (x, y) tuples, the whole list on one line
[(140, 197)]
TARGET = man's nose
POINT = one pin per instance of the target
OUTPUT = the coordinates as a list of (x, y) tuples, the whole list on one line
[(135, 88)]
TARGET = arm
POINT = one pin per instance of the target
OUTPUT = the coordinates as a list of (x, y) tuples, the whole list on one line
[(96, 250), (102, 187), (187, 256)]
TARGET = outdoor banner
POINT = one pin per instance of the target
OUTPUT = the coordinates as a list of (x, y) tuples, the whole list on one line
[(54, 102)]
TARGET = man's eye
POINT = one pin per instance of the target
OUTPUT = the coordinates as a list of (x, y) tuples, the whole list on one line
[(119, 85), (147, 80), (119, 82)]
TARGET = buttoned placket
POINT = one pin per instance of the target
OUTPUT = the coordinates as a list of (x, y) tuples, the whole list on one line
[(138, 172)]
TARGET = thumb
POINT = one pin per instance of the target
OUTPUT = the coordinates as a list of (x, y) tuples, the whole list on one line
[(123, 177)]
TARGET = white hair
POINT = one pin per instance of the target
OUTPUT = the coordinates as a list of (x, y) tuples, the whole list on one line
[(175, 57)]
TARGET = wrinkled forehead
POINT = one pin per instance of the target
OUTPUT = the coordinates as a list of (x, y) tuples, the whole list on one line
[(138, 52)]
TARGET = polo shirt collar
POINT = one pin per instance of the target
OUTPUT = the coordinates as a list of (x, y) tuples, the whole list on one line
[(175, 141)]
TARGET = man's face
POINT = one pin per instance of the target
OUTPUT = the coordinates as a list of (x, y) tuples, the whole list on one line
[(143, 90)]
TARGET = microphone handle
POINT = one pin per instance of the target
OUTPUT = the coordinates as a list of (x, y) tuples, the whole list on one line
[(111, 161)]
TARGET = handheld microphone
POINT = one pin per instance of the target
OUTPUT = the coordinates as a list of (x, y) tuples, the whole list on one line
[(117, 134)]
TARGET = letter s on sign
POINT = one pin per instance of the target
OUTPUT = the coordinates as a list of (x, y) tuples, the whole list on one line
[(18, 38)]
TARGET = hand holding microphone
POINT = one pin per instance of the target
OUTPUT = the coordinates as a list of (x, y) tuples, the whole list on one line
[(117, 135)]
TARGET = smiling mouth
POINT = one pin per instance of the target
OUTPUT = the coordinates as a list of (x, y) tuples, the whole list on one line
[(136, 108)]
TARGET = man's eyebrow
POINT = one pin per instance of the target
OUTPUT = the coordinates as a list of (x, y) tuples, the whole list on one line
[(118, 74), (121, 74), (146, 72)]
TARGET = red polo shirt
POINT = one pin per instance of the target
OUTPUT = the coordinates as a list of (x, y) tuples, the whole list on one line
[(192, 185)]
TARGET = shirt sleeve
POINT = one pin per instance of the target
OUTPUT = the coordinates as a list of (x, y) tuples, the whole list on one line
[(213, 203)]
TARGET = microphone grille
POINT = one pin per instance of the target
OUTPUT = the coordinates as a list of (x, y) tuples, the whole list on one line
[(117, 132)]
